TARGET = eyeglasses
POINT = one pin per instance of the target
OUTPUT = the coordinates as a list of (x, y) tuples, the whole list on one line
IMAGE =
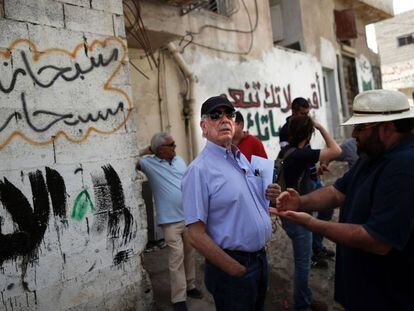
[(171, 145), (364, 126), (218, 115)]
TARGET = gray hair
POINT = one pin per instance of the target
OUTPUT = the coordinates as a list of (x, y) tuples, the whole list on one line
[(157, 140)]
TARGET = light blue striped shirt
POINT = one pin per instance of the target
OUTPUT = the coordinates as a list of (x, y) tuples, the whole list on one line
[(165, 181), (222, 191)]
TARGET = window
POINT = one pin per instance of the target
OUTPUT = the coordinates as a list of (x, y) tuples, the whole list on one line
[(406, 39), (222, 7)]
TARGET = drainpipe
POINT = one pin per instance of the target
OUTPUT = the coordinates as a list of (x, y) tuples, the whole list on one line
[(189, 101)]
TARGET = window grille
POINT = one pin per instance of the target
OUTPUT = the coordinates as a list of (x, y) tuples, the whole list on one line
[(222, 7)]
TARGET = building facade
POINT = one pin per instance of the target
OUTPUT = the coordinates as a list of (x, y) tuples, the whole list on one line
[(395, 39), (72, 220), (334, 32), (86, 83)]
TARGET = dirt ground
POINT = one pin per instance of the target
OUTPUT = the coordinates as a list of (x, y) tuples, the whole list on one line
[(279, 250)]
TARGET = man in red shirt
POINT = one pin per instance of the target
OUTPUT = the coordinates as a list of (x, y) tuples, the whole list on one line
[(248, 144)]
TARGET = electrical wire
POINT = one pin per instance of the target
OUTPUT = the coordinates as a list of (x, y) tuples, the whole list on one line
[(139, 34), (250, 31), (137, 69)]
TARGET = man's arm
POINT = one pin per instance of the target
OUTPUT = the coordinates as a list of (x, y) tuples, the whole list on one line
[(332, 149), (351, 235), (318, 200), (206, 246), (142, 152)]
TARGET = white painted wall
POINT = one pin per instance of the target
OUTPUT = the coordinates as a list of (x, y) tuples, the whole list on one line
[(279, 74), (364, 74), (72, 220)]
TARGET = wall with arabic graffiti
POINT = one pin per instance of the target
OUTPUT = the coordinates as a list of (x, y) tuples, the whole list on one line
[(364, 74), (264, 89), (72, 225)]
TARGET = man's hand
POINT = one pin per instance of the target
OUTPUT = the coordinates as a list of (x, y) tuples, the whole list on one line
[(145, 151), (323, 167), (237, 270), (209, 249), (272, 192), (288, 200), (299, 218)]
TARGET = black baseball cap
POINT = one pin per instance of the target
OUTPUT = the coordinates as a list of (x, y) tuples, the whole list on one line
[(215, 102)]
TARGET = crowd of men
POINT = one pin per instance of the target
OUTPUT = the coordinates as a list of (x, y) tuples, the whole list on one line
[(217, 206)]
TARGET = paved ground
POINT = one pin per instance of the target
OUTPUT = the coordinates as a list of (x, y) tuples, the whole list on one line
[(279, 295)]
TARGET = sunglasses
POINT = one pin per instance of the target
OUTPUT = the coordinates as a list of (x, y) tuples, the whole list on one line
[(218, 115), (172, 145), (363, 127)]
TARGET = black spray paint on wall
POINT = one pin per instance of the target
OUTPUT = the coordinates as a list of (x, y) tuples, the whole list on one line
[(118, 206), (57, 190), (31, 222)]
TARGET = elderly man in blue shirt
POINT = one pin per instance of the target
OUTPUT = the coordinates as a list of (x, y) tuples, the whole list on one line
[(226, 214), (165, 170)]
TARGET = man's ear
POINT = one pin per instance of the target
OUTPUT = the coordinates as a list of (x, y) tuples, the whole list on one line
[(203, 126)]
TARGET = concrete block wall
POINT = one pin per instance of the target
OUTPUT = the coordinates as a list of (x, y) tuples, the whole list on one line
[(388, 32), (72, 219)]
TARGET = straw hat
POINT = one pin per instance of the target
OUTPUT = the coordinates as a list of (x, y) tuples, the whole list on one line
[(380, 106)]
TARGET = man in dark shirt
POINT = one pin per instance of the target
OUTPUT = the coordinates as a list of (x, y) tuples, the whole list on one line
[(375, 233), (301, 107), (298, 157)]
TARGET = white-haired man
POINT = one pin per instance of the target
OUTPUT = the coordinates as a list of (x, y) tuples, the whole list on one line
[(165, 170), (375, 233)]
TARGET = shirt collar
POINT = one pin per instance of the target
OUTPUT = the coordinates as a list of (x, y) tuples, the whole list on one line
[(405, 144), (221, 150), (162, 160)]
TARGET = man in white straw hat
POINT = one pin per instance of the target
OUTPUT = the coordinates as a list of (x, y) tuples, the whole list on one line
[(375, 233)]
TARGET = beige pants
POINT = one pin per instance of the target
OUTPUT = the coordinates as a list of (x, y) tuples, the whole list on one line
[(180, 260)]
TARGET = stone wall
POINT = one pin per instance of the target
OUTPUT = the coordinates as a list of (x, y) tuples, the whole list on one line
[(72, 220)]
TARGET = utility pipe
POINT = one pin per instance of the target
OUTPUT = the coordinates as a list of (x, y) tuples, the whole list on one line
[(189, 102)]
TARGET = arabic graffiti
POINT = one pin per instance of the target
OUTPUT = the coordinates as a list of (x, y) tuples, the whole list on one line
[(31, 223), (257, 97), (119, 210), (365, 73), (83, 203), (55, 92), (110, 205), (269, 126), (402, 74)]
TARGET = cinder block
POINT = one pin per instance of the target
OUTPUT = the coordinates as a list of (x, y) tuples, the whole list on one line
[(119, 26), (45, 37), (113, 6), (45, 12), (20, 155), (97, 147), (83, 3), (10, 31), (83, 19)]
